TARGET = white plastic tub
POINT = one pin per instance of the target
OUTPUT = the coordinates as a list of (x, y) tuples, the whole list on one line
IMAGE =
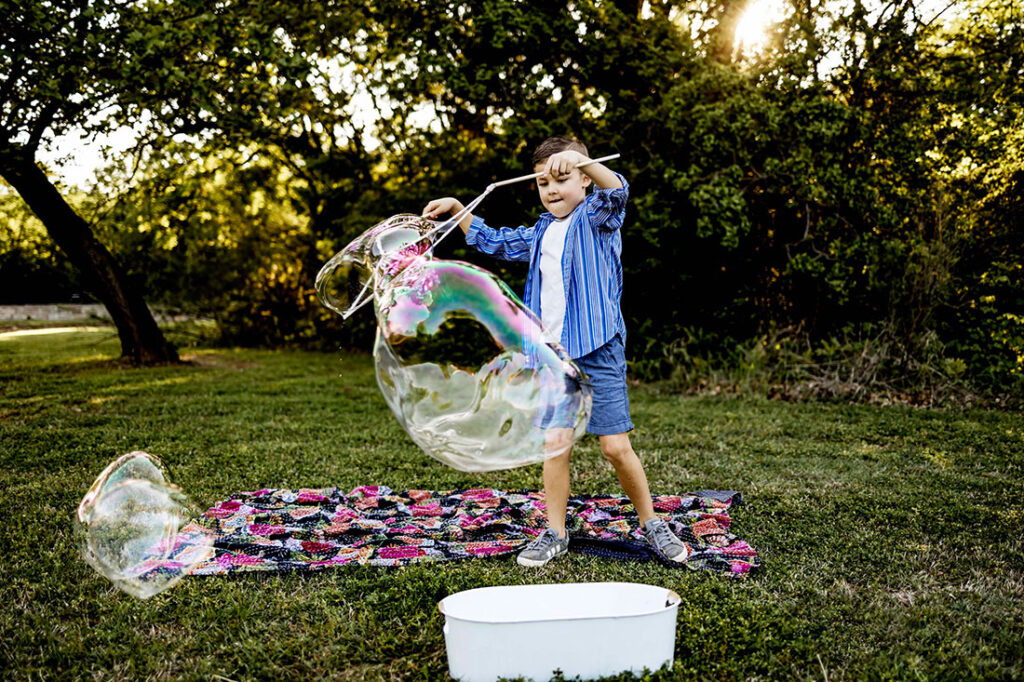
[(582, 629)]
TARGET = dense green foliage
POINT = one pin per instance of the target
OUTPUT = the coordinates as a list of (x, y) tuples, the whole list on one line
[(844, 205), (890, 536)]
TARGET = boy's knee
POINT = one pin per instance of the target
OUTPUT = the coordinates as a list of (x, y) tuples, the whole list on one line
[(559, 441), (616, 451)]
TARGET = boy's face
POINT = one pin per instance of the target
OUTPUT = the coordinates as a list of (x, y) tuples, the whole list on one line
[(563, 194)]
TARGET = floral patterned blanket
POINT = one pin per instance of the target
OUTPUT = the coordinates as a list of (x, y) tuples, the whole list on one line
[(314, 529)]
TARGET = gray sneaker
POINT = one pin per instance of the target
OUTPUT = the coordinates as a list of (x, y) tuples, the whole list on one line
[(543, 549), (664, 540)]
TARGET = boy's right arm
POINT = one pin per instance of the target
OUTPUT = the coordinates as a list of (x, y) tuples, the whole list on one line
[(448, 205), (506, 243)]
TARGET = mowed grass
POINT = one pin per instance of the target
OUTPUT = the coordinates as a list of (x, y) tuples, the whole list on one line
[(891, 538)]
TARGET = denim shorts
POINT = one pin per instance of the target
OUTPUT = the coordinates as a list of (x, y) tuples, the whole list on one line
[(605, 367)]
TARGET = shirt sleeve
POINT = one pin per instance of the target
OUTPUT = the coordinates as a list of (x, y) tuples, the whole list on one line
[(506, 243), (606, 208)]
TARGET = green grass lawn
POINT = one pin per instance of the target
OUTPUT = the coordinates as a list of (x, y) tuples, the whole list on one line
[(891, 538)]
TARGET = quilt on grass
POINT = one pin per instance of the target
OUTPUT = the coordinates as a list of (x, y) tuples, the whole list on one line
[(315, 529)]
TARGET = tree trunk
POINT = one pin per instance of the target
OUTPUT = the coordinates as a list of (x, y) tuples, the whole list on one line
[(142, 342)]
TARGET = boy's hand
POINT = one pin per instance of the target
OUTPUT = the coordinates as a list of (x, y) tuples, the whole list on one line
[(441, 206), (563, 163), (448, 205)]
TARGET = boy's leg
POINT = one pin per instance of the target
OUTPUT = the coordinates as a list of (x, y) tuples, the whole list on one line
[(556, 477), (619, 451), (553, 541), (556, 491)]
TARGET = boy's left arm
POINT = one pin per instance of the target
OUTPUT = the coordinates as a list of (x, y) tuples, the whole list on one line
[(606, 205), (606, 208)]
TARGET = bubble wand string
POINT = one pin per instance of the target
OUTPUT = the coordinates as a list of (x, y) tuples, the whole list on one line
[(453, 222)]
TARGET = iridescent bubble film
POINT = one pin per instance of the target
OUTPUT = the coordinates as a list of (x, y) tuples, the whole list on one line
[(135, 528), (462, 363)]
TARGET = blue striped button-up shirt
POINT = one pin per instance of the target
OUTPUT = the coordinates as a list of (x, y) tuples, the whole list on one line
[(591, 266)]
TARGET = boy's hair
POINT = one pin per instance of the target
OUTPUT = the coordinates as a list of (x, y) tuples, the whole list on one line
[(553, 145)]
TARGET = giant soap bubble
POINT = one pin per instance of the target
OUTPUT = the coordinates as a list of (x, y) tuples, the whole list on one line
[(134, 527), (462, 363)]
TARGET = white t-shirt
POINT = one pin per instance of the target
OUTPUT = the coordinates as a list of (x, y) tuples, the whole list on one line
[(552, 290)]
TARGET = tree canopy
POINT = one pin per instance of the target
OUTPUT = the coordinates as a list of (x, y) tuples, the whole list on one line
[(849, 194)]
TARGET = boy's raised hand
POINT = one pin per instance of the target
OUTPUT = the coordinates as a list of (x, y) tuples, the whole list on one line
[(563, 163), (441, 206)]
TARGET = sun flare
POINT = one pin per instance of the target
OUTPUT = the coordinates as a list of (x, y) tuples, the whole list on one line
[(752, 28)]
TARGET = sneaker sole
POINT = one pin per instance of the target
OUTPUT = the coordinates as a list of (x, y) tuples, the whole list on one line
[(679, 558), (536, 563)]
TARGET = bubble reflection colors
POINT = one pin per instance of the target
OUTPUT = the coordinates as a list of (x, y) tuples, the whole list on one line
[(462, 363), (135, 528)]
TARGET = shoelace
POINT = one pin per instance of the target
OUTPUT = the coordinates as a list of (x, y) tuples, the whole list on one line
[(545, 540), (663, 535)]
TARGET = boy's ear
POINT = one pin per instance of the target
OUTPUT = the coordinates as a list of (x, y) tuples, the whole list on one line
[(586, 179)]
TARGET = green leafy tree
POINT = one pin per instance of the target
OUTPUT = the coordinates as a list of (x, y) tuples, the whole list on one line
[(804, 188), (847, 184), (979, 66), (56, 63), (220, 75)]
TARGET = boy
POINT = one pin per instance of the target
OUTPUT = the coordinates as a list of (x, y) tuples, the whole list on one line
[(574, 285)]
